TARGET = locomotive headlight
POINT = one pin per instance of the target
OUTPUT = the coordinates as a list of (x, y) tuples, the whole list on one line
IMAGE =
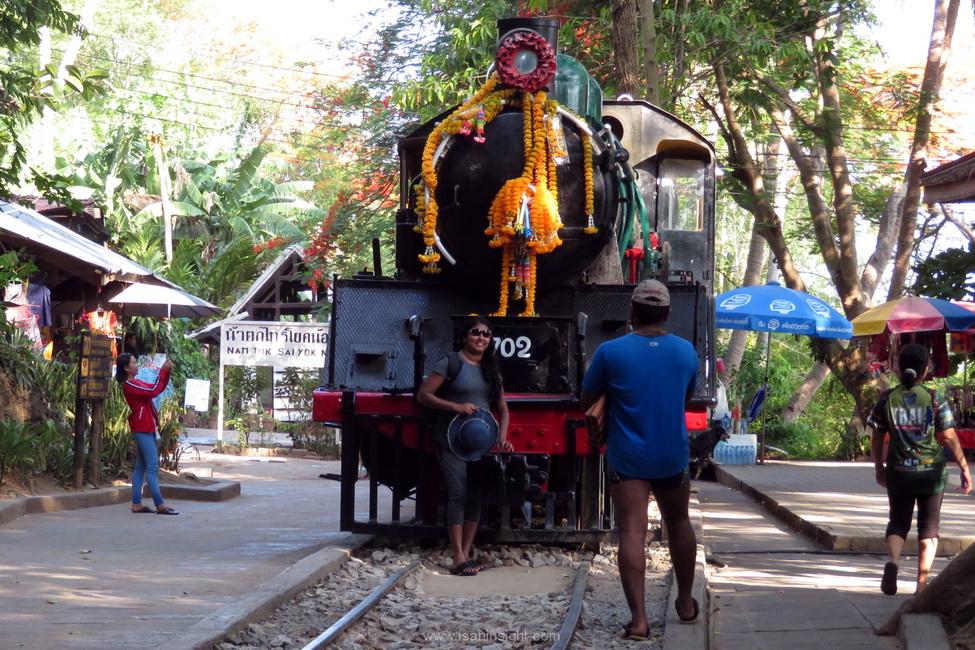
[(525, 60)]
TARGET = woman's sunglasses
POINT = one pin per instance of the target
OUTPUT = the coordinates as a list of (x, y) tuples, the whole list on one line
[(479, 332)]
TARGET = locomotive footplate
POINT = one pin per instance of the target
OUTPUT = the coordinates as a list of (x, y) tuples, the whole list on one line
[(527, 497)]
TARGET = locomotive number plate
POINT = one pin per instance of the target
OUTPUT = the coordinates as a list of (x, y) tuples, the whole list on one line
[(533, 354)]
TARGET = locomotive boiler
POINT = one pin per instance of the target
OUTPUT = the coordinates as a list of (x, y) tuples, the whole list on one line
[(538, 203)]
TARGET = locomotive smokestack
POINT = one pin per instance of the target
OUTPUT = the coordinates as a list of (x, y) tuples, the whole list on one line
[(548, 28), (526, 53)]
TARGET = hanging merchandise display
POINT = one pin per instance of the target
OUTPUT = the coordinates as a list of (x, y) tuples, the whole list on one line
[(102, 321), (22, 315)]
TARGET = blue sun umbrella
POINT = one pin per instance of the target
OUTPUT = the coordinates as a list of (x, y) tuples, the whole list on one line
[(775, 309)]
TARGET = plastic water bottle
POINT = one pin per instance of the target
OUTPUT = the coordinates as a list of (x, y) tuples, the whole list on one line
[(719, 452)]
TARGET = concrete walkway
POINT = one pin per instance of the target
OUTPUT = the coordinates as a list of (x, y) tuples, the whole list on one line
[(840, 504), (104, 578), (775, 588)]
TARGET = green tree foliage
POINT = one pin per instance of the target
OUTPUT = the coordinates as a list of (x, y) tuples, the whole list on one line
[(27, 87), (948, 274)]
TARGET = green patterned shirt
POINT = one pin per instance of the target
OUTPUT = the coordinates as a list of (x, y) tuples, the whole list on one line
[(915, 459)]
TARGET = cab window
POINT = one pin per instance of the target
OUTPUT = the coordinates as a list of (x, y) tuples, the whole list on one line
[(680, 194)]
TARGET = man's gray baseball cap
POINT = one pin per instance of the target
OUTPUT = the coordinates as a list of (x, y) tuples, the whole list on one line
[(651, 293)]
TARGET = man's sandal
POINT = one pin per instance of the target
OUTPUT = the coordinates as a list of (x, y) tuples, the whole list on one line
[(693, 619), (166, 510), (142, 509), (632, 636)]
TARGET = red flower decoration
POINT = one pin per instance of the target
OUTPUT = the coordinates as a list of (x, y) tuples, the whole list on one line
[(518, 42)]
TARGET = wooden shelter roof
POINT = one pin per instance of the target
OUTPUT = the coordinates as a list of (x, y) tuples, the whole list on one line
[(952, 182)]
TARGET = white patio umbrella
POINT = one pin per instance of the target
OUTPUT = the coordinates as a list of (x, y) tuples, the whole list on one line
[(142, 299)]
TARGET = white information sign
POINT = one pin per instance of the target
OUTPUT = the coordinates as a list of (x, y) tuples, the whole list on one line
[(270, 343), (197, 395), (290, 345)]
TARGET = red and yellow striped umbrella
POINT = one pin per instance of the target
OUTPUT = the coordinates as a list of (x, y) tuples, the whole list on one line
[(913, 314)]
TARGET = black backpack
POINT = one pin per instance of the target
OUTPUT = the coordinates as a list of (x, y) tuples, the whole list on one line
[(454, 366)]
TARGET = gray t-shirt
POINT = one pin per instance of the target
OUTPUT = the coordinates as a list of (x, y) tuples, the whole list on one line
[(468, 386)]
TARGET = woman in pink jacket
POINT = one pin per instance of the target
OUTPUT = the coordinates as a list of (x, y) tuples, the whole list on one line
[(144, 421)]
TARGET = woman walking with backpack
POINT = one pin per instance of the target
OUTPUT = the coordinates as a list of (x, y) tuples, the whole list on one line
[(463, 387), (919, 425)]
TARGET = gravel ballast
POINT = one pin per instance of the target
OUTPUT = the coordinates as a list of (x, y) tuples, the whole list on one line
[(517, 601)]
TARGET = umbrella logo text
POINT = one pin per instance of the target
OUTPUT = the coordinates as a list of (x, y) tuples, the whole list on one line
[(736, 301), (782, 306), (818, 308)]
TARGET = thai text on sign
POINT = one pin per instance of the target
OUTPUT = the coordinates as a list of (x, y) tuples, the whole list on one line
[(295, 345), (95, 366)]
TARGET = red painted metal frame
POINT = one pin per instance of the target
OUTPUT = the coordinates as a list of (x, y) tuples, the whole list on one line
[(535, 426), (966, 437)]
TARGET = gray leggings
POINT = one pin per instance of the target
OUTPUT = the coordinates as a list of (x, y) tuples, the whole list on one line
[(463, 490)]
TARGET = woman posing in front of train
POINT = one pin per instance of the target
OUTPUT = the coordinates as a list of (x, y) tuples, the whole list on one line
[(459, 384)]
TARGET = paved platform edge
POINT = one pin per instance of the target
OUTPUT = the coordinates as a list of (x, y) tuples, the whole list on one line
[(923, 632), (14, 508), (266, 598), (948, 546), (678, 636)]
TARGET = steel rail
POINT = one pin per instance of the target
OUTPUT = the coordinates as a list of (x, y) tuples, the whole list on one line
[(357, 612), (572, 616)]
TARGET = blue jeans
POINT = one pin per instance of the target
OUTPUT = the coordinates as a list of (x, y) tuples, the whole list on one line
[(146, 467)]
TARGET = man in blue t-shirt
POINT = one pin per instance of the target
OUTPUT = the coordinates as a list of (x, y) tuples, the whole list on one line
[(647, 377)]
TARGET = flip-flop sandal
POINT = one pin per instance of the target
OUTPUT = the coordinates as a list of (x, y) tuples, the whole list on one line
[(166, 511), (630, 636), (142, 509), (693, 619), (888, 584), (466, 569)]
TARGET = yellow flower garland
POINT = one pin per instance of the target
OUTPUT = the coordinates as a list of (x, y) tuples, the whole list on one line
[(431, 257), (535, 190), (523, 219), (590, 228)]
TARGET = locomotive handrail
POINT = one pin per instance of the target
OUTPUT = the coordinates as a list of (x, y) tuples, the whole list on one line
[(542, 399)]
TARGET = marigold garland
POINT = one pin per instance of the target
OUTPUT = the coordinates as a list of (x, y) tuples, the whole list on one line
[(590, 228), (455, 122), (523, 219), (524, 216)]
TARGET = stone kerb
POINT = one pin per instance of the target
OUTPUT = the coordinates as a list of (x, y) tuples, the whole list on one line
[(14, 508)]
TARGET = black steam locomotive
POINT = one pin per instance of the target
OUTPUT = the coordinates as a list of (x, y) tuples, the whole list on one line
[(540, 204)]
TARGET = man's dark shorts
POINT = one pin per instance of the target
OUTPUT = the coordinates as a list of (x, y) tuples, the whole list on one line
[(667, 483)]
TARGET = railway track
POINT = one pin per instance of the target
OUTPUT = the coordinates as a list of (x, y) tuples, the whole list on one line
[(562, 637)]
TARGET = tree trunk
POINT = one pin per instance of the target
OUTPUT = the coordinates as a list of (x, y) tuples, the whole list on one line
[(939, 47), (886, 238), (753, 271), (624, 46), (746, 172), (848, 275), (805, 393), (649, 37), (948, 593)]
